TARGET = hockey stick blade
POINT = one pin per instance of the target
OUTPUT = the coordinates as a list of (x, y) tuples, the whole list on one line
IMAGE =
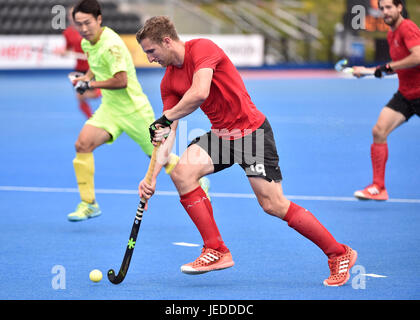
[(342, 66), (116, 279)]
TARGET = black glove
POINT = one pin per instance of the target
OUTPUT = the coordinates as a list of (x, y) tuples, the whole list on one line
[(162, 121), (386, 68), (82, 86)]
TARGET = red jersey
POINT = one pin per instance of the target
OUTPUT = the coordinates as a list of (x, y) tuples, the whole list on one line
[(405, 37), (228, 106), (73, 40)]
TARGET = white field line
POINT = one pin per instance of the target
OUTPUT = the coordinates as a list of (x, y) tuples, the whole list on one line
[(174, 193), (185, 244), (373, 275)]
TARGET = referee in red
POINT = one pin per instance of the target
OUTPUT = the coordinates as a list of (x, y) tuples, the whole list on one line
[(200, 75), (404, 48)]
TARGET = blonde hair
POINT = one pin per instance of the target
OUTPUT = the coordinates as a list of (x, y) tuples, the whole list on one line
[(157, 28)]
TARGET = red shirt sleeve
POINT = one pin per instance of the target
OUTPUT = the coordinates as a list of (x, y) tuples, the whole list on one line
[(205, 54), (411, 35)]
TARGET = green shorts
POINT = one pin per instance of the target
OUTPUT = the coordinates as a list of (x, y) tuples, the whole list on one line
[(135, 125)]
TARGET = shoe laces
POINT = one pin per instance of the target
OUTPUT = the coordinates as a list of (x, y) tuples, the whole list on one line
[(333, 264), (81, 205), (84, 207), (339, 265), (207, 257), (373, 189)]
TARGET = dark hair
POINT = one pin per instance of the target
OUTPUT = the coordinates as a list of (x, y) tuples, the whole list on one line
[(87, 6), (395, 2), (157, 28)]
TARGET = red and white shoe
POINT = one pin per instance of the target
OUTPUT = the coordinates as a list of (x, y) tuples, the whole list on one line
[(340, 268), (372, 192), (209, 260)]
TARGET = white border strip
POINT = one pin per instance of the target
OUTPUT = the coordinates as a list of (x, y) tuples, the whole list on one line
[(174, 193)]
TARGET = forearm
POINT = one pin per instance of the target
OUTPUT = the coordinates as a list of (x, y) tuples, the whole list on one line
[(164, 151), (190, 102), (410, 61), (118, 81), (108, 84), (194, 96)]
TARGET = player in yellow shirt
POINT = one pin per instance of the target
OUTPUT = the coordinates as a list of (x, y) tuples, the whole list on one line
[(124, 107)]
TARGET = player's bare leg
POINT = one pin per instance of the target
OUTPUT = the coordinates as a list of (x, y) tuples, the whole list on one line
[(388, 121), (197, 163), (270, 196), (91, 137)]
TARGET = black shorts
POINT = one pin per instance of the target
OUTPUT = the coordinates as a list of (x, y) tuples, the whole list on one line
[(256, 152), (407, 107)]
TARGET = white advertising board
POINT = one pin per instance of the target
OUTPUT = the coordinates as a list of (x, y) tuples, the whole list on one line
[(37, 51), (242, 50), (33, 52)]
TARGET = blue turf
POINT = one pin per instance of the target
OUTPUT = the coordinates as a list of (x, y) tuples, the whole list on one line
[(323, 133)]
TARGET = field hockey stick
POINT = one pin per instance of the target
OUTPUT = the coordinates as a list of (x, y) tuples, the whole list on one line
[(341, 66), (116, 279)]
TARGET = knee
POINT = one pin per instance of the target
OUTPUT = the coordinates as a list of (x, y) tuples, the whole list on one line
[(184, 178), (180, 175), (379, 133), (83, 145), (274, 206), (268, 206), (176, 174)]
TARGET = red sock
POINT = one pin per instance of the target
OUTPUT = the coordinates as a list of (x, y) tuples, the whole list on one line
[(199, 209), (307, 225), (379, 156), (85, 108)]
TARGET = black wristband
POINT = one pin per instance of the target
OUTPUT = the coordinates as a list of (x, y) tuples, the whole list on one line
[(388, 68), (82, 86), (385, 68), (163, 121)]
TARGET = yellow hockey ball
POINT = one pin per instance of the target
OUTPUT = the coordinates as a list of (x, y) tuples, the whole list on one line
[(95, 275)]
